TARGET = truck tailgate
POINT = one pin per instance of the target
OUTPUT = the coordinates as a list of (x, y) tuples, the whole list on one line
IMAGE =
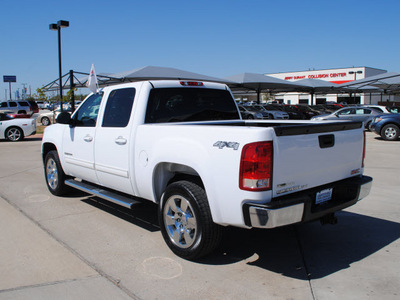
[(313, 155)]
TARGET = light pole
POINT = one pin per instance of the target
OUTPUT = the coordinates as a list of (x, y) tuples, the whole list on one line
[(355, 73), (355, 78), (60, 24)]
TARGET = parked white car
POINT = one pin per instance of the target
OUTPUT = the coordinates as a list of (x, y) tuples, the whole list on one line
[(16, 129)]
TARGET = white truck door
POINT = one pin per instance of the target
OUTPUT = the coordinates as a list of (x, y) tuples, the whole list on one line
[(112, 142), (78, 140)]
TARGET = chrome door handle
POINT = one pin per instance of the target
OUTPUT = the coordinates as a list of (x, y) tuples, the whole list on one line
[(88, 138), (121, 140)]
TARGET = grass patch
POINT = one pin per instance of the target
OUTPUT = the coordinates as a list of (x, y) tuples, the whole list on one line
[(40, 129)]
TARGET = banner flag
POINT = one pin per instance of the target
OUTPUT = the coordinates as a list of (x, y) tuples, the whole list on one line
[(92, 80)]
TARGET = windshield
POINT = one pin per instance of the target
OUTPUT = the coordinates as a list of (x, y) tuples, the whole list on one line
[(4, 117)]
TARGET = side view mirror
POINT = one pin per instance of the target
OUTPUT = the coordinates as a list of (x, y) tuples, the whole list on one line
[(64, 118)]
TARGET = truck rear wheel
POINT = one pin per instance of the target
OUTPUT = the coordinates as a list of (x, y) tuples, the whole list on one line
[(54, 174), (186, 222)]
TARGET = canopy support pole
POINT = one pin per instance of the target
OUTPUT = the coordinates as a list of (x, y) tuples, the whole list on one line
[(72, 89)]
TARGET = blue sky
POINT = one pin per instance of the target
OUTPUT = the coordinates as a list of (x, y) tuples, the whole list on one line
[(217, 38)]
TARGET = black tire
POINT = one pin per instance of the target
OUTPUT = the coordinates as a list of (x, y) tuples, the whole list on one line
[(390, 132), (54, 174), (45, 121), (185, 221), (22, 112), (367, 126), (14, 134)]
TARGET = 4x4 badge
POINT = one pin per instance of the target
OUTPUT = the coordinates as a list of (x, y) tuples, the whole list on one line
[(221, 145)]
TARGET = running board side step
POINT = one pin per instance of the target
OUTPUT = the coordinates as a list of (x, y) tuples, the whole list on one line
[(102, 193)]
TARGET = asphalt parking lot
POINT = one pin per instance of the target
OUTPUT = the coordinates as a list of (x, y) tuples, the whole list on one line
[(80, 247)]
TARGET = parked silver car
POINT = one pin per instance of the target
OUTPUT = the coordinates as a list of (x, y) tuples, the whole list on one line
[(248, 112), (273, 112), (17, 107), (352, 113)]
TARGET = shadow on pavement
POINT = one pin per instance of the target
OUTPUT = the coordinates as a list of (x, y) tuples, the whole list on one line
[(323, 250), (304, 251), (143, 214)]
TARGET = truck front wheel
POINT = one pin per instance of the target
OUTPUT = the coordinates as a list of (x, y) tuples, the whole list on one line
[(186, 222), (54, 174)]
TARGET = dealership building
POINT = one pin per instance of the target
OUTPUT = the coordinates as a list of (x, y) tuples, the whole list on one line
[(336, 76)]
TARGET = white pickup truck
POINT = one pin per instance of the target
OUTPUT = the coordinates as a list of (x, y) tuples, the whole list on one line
[(184, 146)]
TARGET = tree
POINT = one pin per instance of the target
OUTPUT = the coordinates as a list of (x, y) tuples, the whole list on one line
[(41, 95)]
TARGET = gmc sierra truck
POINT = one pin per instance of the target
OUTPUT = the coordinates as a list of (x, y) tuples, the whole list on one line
[(183, 145)]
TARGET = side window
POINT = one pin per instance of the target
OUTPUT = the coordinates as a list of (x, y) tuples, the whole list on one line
[(346, 112), (4, 104), (119, 107), (86, 116), (366, 111), (13, 104)]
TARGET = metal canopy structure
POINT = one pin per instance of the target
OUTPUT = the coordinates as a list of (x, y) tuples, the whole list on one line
[(260, 83), (144, 73), (104, 79), (390, 82), (159, 73), (315, 86)]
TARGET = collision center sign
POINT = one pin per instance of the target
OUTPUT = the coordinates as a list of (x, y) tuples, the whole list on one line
[(317, 76), (332, 75)]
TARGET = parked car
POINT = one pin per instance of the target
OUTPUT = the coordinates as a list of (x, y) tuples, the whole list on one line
[(48, 118), (34, 108), (393, 109), (274, 112), (380, 108), (306, 110), (355, 113), (248, 112), (294, 113), (18, 107), (387, 126), (16, 116), (57, 105), (16, 129), (322, 110), (42, 104)]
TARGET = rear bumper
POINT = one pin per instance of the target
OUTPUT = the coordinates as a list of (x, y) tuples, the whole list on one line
[(300, 207)]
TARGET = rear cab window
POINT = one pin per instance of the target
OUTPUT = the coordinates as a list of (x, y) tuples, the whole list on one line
[(190, 104)]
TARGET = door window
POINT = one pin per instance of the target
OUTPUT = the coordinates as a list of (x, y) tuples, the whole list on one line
[(345, 112), (363, 111), (86, 116), (119, 107)]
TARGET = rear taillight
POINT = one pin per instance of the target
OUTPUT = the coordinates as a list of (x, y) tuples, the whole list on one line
[(256, 167), (364, 150)]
